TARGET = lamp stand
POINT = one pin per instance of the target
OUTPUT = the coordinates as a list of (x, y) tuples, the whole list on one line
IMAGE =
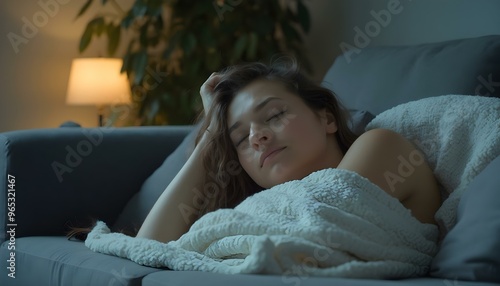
[(100, 114)]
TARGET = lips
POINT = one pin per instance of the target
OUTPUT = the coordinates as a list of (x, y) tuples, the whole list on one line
[(268, 153)]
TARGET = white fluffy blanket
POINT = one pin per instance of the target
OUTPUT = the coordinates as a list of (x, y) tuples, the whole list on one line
[(335, 222), (459, 135), (331, 223)]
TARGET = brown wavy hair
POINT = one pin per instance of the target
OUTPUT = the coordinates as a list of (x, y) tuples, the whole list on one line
[(227, 186), (226, 183)]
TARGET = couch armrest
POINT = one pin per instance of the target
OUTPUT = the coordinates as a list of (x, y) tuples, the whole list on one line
[(68, 175)]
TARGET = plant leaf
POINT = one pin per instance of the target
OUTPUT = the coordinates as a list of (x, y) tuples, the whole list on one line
[(252, 46), (143, 34), (84, 8), (188, 43), (113, 33), (304, 17), (127, 66), (213, 61), (193, 66), (263, 25), (239, 47), (154, 107), (86, 37), (98, 25), (290, 15), (207, 39), (172, 43), (290, 32), (139, 66), (139, 9), (128, 20)]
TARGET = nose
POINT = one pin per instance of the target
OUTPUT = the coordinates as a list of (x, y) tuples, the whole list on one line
[(260, 136)]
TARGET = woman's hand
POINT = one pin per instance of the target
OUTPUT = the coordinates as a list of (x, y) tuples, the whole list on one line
[(207, 90)]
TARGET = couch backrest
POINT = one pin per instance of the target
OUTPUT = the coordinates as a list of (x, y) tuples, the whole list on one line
[(66, 176), (375, 79)]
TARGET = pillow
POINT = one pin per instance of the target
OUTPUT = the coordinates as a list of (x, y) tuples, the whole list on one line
[(138, 207), (471, 250), (359, 120), (376, 79)]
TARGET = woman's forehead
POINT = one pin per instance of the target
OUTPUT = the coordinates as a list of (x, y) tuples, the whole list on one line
[(255, 96), (262, 85)]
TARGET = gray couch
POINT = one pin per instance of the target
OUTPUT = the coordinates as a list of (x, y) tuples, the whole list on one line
[(52, 179)]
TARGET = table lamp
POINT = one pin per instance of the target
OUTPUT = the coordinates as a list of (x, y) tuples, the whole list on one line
[(99, 82)]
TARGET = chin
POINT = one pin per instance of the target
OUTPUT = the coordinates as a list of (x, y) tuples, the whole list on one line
[(287, 175)]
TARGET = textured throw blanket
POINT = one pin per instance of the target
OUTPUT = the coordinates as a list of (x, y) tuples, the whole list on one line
[(331, 223), (335, 222)]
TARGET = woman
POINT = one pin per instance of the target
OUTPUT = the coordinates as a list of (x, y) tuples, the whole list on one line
[(266, 125)]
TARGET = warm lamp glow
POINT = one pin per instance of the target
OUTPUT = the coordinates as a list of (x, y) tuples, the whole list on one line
[(97, 81)]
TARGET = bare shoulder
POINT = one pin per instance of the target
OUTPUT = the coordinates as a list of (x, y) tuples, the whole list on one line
[(392, 162), (386, 158), (382, 137)]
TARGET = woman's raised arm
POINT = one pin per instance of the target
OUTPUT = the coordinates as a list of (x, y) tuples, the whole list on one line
[(175, 210), (178, 206)]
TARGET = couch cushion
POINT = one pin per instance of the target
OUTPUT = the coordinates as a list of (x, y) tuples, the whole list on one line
[(138, 207), (192, 278), (55, 260), (471, 249), (379, 78)]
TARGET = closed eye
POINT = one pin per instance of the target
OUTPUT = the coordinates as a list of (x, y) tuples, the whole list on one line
[(276, 116), (241, 140)]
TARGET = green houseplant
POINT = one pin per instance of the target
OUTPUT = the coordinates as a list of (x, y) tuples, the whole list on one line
[(177, 44)]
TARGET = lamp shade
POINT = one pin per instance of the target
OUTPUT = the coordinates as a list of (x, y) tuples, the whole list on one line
[(97, 81)]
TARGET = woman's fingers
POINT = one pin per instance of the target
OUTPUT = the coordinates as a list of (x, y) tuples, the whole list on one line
[(207, 89), (210, 83)]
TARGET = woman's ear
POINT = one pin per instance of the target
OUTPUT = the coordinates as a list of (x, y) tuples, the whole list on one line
[(328, 121)]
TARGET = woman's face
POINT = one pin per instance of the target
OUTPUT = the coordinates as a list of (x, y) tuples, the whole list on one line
[(278, 138)]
